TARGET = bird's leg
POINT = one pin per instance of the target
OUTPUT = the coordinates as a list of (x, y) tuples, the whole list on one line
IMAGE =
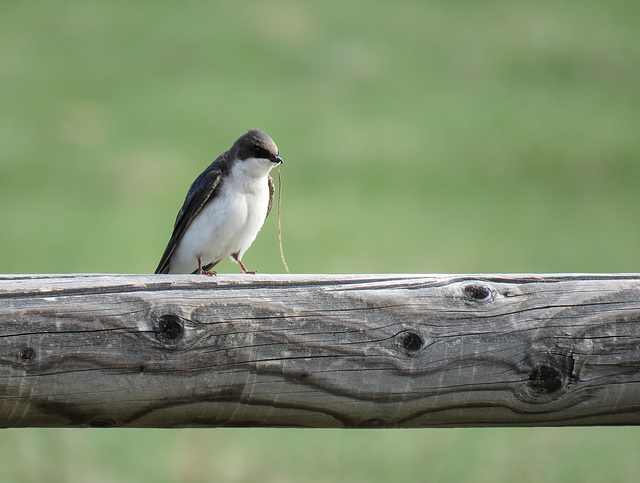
[(244, 269), (199, 271)]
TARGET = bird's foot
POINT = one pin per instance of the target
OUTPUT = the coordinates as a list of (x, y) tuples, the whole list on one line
[(211, 273), (244, 269), (200, 271)]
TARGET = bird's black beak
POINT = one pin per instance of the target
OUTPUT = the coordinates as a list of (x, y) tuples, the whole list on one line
[(277, 160)]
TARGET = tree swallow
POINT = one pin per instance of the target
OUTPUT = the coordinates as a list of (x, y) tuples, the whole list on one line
[(225, 208)]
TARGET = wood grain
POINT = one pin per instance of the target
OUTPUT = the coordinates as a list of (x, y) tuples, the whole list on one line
[(319, 350)]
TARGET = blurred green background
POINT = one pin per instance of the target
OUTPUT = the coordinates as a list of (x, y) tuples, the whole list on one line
[(450, 137)]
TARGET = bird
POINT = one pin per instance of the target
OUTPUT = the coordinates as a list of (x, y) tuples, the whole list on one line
[(225, 208)]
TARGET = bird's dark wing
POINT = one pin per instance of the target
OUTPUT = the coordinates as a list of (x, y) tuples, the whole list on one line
[(201, 191), (272, 190)]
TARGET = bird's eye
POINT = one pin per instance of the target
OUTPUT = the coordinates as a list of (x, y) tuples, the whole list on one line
[(256, 149)]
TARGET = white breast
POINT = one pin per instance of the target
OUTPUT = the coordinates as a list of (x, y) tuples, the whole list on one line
[(230, 222)]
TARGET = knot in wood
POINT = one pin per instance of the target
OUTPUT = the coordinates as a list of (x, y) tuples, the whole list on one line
[(412, 341), (548, 378), (545, 379), (170, 328), (477, 291), (27, 353)]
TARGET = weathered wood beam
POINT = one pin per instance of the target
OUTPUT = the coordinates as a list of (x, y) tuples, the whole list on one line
[(319, 350)]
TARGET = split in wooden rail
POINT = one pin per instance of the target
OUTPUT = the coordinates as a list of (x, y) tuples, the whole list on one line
[(319, 350)]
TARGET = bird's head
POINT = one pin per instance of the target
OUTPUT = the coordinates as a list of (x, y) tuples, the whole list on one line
[(257, 145)]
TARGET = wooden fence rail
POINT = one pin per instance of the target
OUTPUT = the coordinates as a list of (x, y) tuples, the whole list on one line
[(319, 350)]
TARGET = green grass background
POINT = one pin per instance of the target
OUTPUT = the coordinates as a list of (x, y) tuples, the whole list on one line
[(449, 137)]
